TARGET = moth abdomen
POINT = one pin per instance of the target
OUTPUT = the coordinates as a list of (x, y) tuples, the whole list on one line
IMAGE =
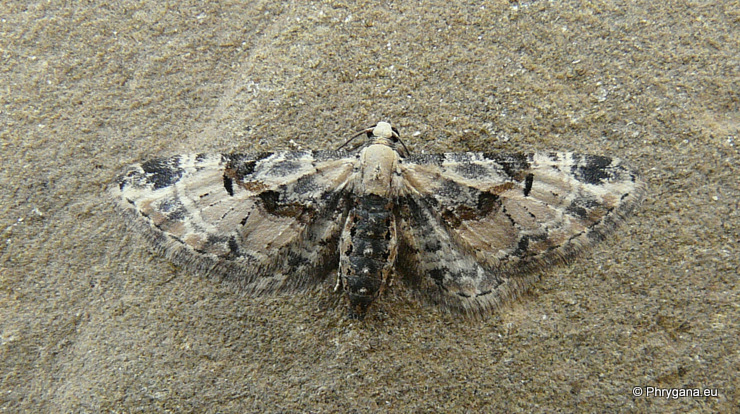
[(367, 252)]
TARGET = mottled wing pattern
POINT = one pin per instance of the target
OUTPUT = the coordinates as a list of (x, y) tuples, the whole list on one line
[(474, 227), (266, 221)]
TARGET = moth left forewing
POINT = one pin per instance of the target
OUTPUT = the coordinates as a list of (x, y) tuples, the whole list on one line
[(510, 213), (256, 218)]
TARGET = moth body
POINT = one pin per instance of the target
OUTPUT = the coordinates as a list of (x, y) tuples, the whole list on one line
[(368, 244)]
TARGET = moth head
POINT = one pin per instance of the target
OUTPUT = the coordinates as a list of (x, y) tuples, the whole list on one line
[(383, 132)]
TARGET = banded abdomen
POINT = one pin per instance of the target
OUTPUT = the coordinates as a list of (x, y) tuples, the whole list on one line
[(367, 251)]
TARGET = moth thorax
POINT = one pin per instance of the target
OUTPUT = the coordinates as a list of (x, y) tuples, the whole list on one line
[(377, 164)]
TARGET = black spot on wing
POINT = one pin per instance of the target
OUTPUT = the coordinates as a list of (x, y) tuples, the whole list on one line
[(229, 185), (591, 169), (162, 172), (528, 181)]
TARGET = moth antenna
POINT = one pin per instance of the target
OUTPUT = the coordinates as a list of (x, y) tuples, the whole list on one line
[(365, 131), (405, 148), (397, 135)]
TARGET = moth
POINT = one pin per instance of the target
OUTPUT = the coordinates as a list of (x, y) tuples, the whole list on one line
[(465, 230)]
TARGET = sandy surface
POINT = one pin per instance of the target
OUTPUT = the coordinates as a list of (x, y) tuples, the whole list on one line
[(92, 321)]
